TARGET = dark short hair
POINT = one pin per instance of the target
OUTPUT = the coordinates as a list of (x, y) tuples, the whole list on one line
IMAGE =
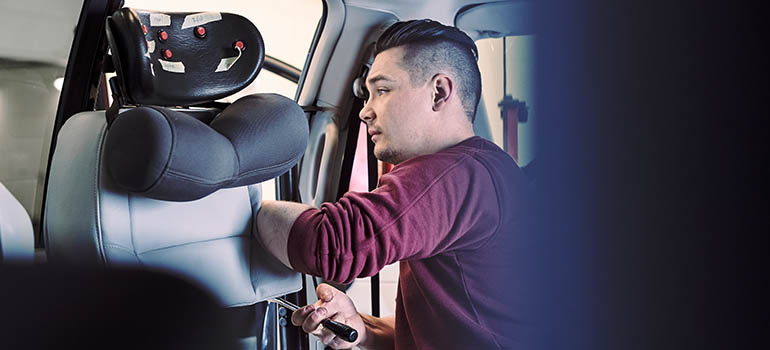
[(430, 47)]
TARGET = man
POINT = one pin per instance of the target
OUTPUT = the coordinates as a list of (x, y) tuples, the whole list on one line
[(448, 211)]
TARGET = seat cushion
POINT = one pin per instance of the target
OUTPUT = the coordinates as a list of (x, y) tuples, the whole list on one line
[(170, 155)]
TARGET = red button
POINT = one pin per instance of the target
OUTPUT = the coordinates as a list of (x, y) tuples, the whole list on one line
[(162, 35), (167, 53), (238, 44), (200, 31), (144, 29)]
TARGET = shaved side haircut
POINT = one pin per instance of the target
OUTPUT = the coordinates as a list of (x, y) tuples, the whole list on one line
[(431, 48)]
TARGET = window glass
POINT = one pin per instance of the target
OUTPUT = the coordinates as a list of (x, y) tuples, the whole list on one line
[(35, 40), (508, 94)]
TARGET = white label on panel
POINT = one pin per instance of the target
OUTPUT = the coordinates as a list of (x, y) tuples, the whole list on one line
[(200, 19), (226, 63), (173, 67), (159, 20)]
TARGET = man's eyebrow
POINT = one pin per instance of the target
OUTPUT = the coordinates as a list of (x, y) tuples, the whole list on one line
[(376, 78)]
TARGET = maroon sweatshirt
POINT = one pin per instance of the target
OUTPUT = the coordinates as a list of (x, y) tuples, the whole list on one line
[(451, 219)]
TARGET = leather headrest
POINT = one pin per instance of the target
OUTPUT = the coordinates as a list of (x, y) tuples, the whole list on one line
[(182, 58), (170, 155)]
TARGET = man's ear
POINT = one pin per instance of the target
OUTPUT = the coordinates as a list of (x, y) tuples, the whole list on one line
[(443, 89)]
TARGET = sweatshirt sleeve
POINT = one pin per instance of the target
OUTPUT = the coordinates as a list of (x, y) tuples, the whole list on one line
[(425, 206)]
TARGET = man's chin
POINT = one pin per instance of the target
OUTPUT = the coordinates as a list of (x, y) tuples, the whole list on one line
[(387, 155)]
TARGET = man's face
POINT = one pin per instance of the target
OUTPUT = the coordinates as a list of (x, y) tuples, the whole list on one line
[(397, 115)]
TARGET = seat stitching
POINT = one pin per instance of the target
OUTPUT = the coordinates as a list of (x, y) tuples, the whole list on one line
[(97, 202), (131, 224), (117, 246), (198, 180), (189, 243)]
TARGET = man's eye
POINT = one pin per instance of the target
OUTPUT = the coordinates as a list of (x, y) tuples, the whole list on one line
[(381, 91)]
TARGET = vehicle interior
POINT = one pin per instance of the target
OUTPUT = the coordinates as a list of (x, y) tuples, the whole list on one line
[(649, 165), (112, 154)]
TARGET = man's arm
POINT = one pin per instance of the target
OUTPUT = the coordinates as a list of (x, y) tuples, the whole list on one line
[(274, 223), (380, 332)]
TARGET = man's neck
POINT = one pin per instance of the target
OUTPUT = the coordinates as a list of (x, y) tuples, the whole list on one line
[(451, 138), (441, 145)]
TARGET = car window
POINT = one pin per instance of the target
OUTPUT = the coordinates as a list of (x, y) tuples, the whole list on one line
[(32, 65), (508, 93)]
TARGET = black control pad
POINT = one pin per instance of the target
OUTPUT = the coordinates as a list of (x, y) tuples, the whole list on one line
[(183, 58)]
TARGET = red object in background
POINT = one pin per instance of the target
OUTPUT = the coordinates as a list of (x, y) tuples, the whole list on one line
[(144, 29), (512, 132), (359, 180), (513, 112), (359, 177), (167, 53), (238, 45), (162, 35)]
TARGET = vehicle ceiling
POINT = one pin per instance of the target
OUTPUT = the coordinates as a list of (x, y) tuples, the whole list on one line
[(440, 10), (48, 29)]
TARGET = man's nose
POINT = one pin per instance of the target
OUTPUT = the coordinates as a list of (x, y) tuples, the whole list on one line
[(366, 114)]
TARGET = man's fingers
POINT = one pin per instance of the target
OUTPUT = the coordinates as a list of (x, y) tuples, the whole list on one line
[(298, 317), (318, 332), (328, 337), (310, 316), (325, 292), (332, 339), (313, 320), (331, 304)]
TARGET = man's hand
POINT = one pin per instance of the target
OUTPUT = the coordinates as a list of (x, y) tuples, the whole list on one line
[(335, 305)]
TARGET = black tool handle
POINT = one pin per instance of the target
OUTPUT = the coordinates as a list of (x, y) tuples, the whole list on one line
[(349, 334)]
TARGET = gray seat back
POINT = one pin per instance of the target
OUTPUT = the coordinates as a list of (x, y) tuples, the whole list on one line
[(17, 240)]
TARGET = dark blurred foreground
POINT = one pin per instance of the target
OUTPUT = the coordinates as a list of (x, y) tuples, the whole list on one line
[(65, 308), (653, 140)]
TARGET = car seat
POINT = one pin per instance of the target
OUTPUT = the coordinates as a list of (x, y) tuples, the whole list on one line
[(156, 183)]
